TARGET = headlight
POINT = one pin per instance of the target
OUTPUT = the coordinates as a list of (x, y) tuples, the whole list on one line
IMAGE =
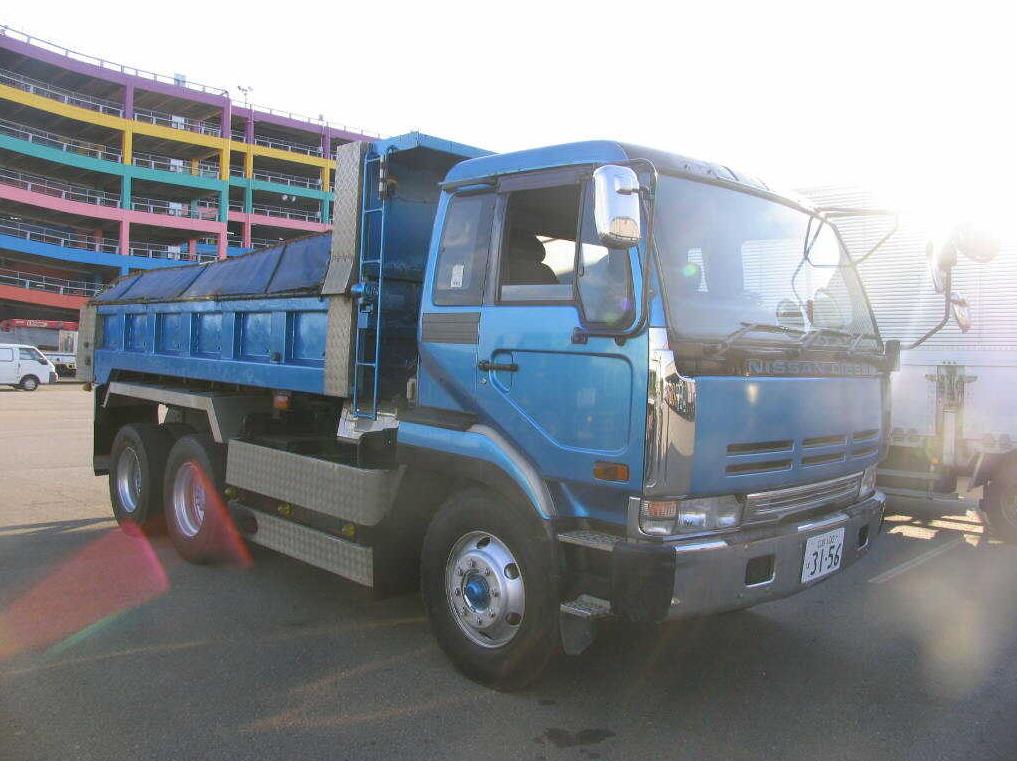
[(867, 487), (680, 516)]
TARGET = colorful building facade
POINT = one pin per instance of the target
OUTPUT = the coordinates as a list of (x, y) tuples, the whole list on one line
[(105, 169)]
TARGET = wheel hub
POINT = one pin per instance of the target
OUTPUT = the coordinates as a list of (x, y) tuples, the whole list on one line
[(128, 479), (485, 589), (189, 499), (477, 592)]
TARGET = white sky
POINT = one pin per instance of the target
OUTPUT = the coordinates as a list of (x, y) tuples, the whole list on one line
[(913, 99)]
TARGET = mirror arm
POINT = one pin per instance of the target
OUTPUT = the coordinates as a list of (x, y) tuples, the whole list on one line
[(880, 242), (947, 295)]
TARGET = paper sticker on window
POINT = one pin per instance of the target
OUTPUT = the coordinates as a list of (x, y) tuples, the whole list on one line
[(457, 276)]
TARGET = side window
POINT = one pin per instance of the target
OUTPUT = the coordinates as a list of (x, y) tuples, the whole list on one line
[(462, 256), (27, 354), (604, 277), (538, 250), (6, 355)]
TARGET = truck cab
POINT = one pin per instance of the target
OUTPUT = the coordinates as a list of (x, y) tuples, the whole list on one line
[(549, 387), (711, 408)]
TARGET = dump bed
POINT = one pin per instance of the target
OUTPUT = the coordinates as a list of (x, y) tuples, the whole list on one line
[(285, 317), (257, 319)]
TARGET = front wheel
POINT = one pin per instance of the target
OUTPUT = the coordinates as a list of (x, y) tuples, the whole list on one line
[(490, 587), (999, 503), (29, 383)]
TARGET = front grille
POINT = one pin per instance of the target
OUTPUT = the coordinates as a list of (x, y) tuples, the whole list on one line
[(767, 506), (750, 458), (758, 447)]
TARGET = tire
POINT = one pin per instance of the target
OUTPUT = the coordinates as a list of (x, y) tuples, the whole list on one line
[(192, 496), (519, 608), (137, 466), (999, 503), (29, 383)]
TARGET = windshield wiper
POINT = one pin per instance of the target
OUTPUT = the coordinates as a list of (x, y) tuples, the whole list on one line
[(753, 327)]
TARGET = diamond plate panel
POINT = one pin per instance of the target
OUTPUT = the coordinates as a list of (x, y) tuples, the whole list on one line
[(345, 218), (341, 268), (346, 559), (595, 540), (84, 371), (339, 347), (359, 495)]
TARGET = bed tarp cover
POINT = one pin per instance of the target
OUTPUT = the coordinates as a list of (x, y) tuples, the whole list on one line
[(295, 266)]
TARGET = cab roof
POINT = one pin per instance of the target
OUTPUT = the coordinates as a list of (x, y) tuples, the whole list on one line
[(603, 152)]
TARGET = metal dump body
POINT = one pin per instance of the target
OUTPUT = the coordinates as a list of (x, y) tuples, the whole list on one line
[(286, 317), (257, 320)]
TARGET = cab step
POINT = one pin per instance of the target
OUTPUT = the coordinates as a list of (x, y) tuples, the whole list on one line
[(587, 607), (578, 620), (594, 540)]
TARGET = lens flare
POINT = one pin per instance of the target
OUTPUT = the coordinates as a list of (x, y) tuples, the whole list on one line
[(116, 572)]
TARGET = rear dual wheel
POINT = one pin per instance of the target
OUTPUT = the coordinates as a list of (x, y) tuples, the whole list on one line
[(137, 473), (192, 490), (137, 464)]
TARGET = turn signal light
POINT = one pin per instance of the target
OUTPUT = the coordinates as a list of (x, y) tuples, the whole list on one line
[(610, 471)]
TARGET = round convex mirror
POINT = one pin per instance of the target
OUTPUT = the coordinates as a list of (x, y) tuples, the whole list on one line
[(961, 311)]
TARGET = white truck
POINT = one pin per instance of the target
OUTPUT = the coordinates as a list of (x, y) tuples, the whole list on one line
[(954, 413), (25, 367)]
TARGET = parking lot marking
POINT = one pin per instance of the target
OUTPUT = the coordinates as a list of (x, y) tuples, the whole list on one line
[(916, 561)]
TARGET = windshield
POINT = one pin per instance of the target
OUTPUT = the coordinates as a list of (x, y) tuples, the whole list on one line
[(732, 268)]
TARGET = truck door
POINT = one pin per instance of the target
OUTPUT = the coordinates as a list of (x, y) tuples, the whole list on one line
[(568, 400), (8, 365)]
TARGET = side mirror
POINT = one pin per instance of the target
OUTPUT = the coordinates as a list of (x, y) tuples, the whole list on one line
[(975, 243), (616, 206), (789, 314), (961, 311)]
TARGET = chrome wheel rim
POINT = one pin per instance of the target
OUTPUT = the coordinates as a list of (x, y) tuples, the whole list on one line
[(189, 499), (128, 479), (485, 590), (29, 384)]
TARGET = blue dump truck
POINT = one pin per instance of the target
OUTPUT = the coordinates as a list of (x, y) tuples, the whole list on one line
[(544, 387)]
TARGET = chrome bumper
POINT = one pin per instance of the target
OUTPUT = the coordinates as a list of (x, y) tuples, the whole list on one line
[(713, 575)]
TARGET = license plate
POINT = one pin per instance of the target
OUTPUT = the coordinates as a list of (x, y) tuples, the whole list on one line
[(822, 555)]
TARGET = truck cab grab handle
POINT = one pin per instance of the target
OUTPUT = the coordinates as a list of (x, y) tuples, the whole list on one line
[(488, 366)]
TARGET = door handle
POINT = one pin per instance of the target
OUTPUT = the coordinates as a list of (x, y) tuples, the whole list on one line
[(488, 366)]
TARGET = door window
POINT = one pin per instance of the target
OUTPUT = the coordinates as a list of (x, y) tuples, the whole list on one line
[(538, 251), (6, 355), (462, 257), (31, 355)]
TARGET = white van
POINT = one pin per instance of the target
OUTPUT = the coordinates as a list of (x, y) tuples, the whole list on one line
[(24, 367)]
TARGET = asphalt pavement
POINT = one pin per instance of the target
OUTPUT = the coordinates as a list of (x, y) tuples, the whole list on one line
[(111, 647)]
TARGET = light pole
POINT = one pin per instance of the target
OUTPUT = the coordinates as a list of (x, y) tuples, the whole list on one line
[(246, 91)]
